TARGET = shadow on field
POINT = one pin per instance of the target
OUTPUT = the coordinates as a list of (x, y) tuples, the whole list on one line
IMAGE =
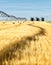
[(42, 32), (8, 53)]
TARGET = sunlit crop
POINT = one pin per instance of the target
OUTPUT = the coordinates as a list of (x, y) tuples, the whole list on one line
[(27, 43)]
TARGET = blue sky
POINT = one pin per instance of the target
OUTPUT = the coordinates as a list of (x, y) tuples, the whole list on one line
[(27, 8)]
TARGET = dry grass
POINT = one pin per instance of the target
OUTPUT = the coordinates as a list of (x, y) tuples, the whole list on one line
[(28, 43)]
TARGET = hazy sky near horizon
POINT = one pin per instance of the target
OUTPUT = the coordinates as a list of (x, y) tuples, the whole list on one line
[(27, 8)]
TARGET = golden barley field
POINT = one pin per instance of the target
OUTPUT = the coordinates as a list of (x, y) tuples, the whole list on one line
[(25, 43)]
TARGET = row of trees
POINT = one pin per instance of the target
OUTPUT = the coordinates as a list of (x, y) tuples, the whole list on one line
[(37, 19)]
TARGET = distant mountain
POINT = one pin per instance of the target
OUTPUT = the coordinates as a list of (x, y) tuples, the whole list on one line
[(5, 16)]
